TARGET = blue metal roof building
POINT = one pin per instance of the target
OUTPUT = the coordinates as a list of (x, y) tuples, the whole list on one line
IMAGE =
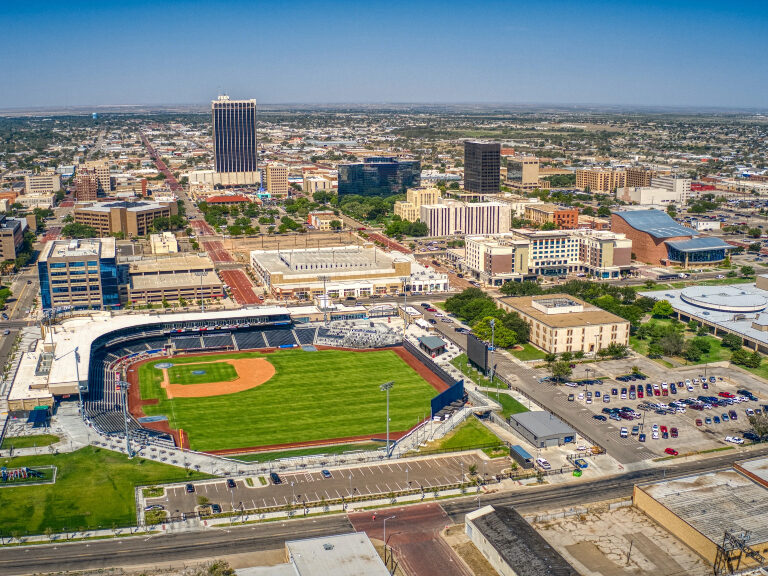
[(656, 223)]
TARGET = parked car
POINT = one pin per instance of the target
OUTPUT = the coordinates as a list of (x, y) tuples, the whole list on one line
[(230, 483), (671, 451), (275, 477), (733, 415), (699, 422), (190, 488), (325, 473), (673, 432), (623, 432), (641, 438), (734, 440), (543, 463), (600, 417)]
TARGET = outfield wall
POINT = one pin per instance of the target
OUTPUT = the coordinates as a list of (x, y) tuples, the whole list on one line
[(455, 387)]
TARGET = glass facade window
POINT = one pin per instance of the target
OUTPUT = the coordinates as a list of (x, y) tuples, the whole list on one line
[(700, 256), (381, 176), (110, 295), (234, 135)]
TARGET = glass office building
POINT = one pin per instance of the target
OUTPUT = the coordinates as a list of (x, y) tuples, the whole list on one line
[(482, 167), (234, 135), (79, 275), (379, 176)]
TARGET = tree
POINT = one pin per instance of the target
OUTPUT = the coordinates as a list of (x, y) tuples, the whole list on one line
[(754, 232), (747, 271), (650, 284), (77, 230), (550, 357), (759, 423), (740, 357), (662, 309), (503, 337), (731, 341), (566, 356), (549, 226), (526, 288), (603, 211), (755, 247), (561, 370), (672, 343)]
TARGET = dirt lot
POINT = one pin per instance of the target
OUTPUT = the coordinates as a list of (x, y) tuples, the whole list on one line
[(598, 543)]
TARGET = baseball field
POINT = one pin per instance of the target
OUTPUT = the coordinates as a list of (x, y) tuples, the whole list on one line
[(242, 400)]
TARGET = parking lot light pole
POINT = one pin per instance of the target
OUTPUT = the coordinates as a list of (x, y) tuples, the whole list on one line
[(385, 532), (386, 387)]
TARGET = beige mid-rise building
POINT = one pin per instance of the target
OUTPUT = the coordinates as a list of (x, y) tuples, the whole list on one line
[(639, 176), (188, 277), (129, 218), (410, 208), (164, 243), (601, 180), (101, 169), (45, 183), (561, 323), (277, 179), (523, 172)]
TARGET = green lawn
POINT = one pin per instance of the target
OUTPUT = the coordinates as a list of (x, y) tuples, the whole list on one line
[(28, 441), (94, 488), (214, 372), (509, 405), (529, 352), (469, 434), (462, 363), (312, 396), (330, 449), (716, 352)]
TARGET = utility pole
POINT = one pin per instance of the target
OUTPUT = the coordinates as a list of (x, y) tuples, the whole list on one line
[(386, 387)]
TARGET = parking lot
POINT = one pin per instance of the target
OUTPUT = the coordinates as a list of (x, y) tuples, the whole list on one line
[(298, 487), (697, 430)]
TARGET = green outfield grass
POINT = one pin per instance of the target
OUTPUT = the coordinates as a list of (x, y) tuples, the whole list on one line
[(312, 396), (94, 488), (214, 372)]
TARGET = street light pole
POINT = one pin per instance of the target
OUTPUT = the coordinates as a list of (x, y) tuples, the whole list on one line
[(385, 535), (79, 389), (386, 387), (324, 278)]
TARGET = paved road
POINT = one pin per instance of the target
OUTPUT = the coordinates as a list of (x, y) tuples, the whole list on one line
[(212, 543)]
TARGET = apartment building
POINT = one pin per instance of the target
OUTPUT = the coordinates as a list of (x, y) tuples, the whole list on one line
[(523, 172), (563, 218), (452, 217), (639, 176), (410, 208), (11, 236), (79, 274), (527, 254), (276, 176), (561, 323), (321, 219), (44, 183), (129, 218), (101, 169), (601, 180)]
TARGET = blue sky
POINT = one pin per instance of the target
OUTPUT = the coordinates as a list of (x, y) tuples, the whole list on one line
[(570, 52)]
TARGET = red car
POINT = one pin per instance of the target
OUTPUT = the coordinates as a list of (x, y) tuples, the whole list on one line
[(663, 429), (673, 432), (725, 395), (699, 422), (640, 392), (431, 309), (656, 392), (671, 451)]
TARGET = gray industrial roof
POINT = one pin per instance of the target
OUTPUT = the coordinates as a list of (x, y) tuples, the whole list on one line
[(655, 222), (520, 545), (699, 244), (541, 423)]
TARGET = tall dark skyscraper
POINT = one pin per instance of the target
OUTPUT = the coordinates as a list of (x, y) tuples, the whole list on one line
[(234, 141), (482, 167), (379, 176)]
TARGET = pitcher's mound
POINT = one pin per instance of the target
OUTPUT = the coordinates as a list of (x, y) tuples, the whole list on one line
[(251, 372)]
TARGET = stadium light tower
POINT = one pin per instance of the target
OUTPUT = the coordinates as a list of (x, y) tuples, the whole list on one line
[(202, 274), (404, 280), (325, 278), (386, 387), (493, 334), (79, 389), (124, 389)]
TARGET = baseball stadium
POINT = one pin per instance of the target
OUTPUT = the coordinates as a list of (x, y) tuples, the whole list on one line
[(234, 382)]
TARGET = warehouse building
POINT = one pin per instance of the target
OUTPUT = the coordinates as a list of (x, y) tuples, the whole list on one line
[(700, 508), (542, 429)]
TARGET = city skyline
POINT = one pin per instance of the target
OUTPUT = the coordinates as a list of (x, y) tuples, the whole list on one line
[(685, 54)]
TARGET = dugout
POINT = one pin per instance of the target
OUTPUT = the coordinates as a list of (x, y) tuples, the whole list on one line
[(519, 455), (542, 429), (432, 345)]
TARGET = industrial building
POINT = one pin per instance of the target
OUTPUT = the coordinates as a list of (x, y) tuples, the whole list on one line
[(542, 429), (700, 509), (79, 274), (379, 176), (511, 545), (120, 217), (561, 323), (658, 239)]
